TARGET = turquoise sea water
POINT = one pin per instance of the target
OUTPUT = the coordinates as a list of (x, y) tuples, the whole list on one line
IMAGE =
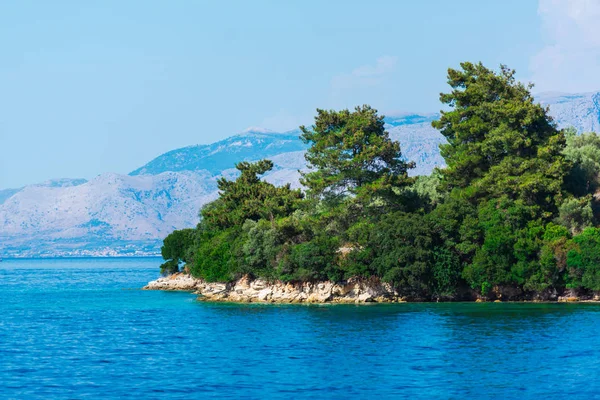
[(82, 329)]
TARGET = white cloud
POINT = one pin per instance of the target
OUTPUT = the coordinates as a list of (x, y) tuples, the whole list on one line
[(366, 75), (570, 60)]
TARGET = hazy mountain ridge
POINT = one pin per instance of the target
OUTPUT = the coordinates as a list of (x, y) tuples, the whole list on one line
[(116, 214), (6, 194), (216, 157), (111, 206), (580, 110)]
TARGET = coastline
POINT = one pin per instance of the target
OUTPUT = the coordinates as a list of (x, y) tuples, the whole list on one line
[(246, 290), (352, 291)]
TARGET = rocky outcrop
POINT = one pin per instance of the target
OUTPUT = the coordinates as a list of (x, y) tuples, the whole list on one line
[(178, 282), (246, 290), (356, 290), (574, 295)]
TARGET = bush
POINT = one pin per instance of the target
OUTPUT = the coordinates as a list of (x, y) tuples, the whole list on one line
[(175, 250), (260, 250), (552, 259), (403, 250), (170, 267), (446, 272), (312, 260), (215, 260), (576, 214), (583, 260)]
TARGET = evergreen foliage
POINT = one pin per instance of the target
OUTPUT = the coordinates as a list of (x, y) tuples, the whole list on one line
[(351, 154), (514, 208), (175, 250), (500, 142)]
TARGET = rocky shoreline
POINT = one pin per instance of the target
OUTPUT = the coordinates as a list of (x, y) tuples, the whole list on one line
[(246, 290), (353, 291)]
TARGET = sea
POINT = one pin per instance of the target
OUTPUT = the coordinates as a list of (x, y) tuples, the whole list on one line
[(82, 328)]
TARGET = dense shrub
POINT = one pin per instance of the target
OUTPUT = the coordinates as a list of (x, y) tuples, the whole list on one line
[(583, 260)]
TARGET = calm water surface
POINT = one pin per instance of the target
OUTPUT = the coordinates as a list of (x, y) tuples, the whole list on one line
[(82, 329)]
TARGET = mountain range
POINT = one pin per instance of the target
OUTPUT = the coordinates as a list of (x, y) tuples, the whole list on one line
[(117, 215)]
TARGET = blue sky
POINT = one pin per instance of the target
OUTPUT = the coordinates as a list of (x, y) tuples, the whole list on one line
[(96, 86)]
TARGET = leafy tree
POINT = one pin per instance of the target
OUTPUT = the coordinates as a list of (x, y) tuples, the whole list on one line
[(500, 141), (217, 255), (516, 205), (552, 259), (583, 260), (584, 152), (248, 197), (403, 252), (311, 260), (427, 188), (169, 267), (511, 241), (576, 214), (262, 247), (446, 271), (455, 221), (175, 250), (352, 154), (504, 156)]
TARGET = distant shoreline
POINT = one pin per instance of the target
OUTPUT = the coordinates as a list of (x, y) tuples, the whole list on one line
[(7, 258)]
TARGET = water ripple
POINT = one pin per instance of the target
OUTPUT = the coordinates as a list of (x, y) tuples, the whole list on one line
[(69, 330)]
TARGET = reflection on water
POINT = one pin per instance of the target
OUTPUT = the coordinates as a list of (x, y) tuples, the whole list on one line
[(74, 328)]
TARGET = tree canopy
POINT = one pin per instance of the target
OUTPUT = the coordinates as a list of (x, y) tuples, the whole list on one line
[(175, 249), (514, 214), (249, 197), (500, 141), (351, 153)]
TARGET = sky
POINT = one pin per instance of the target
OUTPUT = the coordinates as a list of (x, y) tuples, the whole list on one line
[(105, 86)]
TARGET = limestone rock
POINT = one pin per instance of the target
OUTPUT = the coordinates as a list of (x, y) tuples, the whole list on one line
[(247, 290), (179, 281)]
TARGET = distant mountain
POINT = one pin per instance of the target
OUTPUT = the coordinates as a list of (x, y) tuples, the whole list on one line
[(64, 182), (216, 157), (580, 110), (419, 141), (116, 214), (7, 193)]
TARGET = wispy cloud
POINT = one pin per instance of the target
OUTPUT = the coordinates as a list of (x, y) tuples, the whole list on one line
[(366, 75), (570, 60)]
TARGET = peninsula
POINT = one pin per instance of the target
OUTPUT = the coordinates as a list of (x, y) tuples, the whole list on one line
[(514, 215)]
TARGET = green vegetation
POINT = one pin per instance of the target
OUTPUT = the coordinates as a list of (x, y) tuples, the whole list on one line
[(515, 208), (176, 250)]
